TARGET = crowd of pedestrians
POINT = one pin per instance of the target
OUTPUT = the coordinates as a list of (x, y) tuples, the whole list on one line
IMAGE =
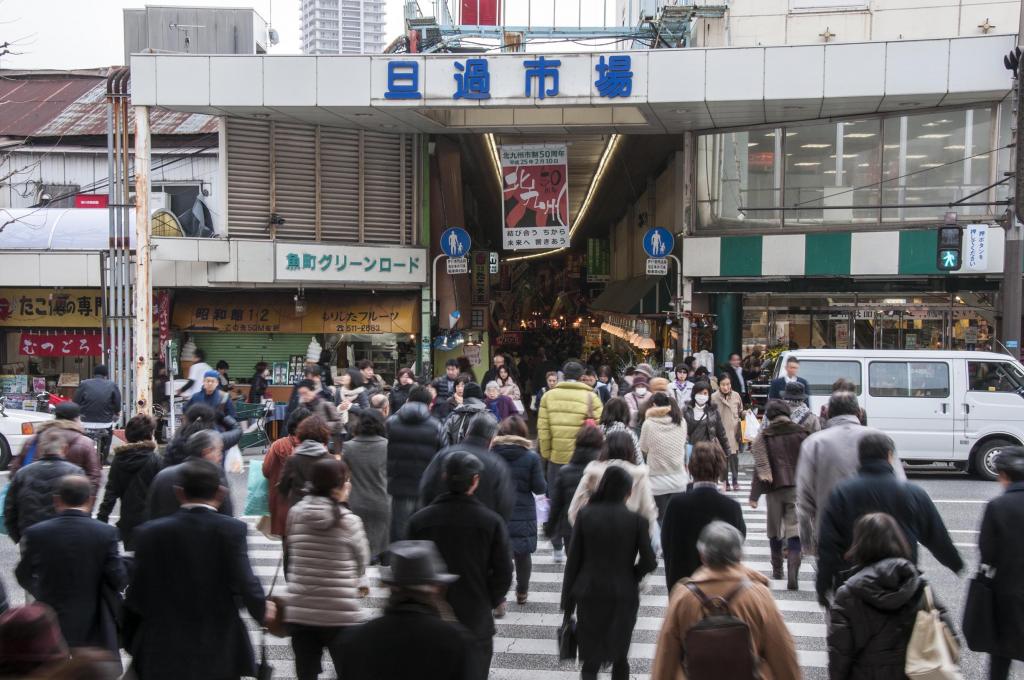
[(441, 486)]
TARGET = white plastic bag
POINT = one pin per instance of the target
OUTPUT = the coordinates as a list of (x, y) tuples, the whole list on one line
[(751, 427), (543, 508), (233, 460)]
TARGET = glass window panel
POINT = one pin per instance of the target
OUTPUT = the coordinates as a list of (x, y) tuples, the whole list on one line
[(994, 376), (737, 170), (820, 375), (823, 165), (927, 379)]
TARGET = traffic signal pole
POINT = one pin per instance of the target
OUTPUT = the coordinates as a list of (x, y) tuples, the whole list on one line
[(1013, 260)]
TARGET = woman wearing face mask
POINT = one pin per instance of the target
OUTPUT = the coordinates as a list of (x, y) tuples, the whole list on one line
[(729, 404), (703, 422), (636, 400)]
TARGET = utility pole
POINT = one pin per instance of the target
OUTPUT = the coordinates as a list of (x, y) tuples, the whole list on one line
[(143, 275), (1013, 259)]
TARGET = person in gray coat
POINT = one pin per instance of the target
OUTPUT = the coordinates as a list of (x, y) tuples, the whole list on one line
[(826, 458), (366, 455)]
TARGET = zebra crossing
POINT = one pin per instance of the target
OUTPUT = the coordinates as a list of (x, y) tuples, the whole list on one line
[(524, 645)]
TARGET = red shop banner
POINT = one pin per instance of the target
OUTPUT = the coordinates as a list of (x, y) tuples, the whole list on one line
[(61, 344)]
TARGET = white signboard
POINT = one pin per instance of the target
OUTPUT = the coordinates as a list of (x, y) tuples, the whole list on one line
[(457, 265), (975, 247), (535, 184), (657, 266), (317, 262)]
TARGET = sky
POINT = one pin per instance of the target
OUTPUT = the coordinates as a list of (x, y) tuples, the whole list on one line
[(67, 34)]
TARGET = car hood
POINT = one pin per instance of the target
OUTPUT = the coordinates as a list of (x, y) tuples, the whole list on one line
[(13, 418)]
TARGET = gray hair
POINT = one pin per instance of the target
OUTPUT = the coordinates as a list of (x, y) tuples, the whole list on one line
[(200, 442), (52, 442), (483, 425), (720, 545), (843, 404)]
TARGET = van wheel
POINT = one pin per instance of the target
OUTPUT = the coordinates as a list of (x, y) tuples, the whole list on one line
[(984, 459), (5, 454)]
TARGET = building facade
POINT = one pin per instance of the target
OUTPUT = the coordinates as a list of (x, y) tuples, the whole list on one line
[(342, 26)]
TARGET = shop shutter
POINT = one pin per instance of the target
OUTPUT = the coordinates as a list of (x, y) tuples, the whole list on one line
[(339, 184), (248, 166), (295, 180), (243, 350), (382, 154)]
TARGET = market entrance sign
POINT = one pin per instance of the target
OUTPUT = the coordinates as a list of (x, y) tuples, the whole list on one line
[(320, 263)]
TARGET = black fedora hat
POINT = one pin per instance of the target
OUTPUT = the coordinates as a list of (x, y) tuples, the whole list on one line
[(415, 563)]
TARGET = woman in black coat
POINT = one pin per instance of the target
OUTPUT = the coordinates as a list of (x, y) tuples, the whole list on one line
[(874, 611), (1001, 549), (602, 575), (703, 422), (259, 383), (527, 475), (589, 443), (131, 472)]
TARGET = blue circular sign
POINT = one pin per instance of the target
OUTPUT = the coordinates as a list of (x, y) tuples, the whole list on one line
[(455, 242), (658, 242)]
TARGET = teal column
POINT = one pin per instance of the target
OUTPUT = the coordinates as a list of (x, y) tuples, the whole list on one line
[(728, 309)]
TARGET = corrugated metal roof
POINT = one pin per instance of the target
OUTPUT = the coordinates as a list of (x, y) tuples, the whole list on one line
[(76, 106)]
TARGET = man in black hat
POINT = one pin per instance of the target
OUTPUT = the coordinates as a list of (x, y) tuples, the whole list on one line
[(474, 543), (417, 636), (795, 395)]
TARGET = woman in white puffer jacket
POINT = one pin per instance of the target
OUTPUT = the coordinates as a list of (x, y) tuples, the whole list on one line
[(327, 558)]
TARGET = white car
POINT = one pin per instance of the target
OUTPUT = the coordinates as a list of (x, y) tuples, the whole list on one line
[(16, 427)]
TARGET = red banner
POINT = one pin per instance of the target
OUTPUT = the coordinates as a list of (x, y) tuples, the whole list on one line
[(61, 344)]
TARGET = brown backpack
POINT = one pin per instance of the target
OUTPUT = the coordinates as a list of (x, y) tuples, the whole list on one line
[(720, 645)]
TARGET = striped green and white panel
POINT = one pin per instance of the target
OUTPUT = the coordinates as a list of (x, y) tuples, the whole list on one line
[(910, 252)]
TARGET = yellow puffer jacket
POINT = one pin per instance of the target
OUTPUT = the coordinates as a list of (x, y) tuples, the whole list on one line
[(562, 412)]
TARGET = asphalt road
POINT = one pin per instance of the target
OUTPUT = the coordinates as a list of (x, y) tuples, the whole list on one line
[(960, 500)]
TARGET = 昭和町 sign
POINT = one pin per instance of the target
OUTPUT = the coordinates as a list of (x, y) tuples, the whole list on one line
[(275, 313), (315, 262), (63, 308)]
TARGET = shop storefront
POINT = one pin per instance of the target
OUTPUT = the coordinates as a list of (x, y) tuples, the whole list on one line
[(937, 321), (50, 340), (284, 330)]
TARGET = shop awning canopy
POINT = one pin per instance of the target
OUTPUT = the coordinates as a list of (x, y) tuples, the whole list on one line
[(636, 296)]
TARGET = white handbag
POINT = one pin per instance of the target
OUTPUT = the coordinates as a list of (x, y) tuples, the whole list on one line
[(933, 652)]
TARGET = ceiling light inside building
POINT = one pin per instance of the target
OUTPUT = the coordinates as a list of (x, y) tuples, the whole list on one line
[(751, 144), (933, 136), (859, 135), (916, 156), (954, 147), (806, 164), (815, 146)]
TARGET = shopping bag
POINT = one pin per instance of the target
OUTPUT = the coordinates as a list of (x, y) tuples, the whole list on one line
[(567, 645), (979, 621), (543, 509), (233, 460), (933, 652), (751, 427), (257, 500)]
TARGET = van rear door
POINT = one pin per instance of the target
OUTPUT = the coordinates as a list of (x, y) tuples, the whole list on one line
[(912, 402)]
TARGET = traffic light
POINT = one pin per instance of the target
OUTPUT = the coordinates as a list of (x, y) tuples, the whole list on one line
[(947, 257)]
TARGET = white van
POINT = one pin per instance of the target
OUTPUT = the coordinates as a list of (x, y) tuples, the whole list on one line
[(958, 407)]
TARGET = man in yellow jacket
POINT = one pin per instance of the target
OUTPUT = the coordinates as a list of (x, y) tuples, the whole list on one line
[(563, 411)]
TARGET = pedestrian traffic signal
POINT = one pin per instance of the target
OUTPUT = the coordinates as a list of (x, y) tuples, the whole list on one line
[(948, 255)]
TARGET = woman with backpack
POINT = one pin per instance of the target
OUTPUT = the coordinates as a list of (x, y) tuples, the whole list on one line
[(873, 614), (609, 554), (757, 644)]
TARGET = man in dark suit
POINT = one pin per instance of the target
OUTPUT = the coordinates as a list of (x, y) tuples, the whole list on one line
[(72, 563), (734, 369), (473, 542), (778, 386), (191, 572)]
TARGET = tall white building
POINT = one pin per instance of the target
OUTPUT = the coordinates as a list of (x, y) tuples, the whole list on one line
[(342, 26)]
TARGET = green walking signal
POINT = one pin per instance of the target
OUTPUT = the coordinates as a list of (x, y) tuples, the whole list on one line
[(948, 255)]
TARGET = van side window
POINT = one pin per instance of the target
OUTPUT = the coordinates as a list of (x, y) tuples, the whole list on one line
[(821, 374), (929, 379), (994, 376)]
